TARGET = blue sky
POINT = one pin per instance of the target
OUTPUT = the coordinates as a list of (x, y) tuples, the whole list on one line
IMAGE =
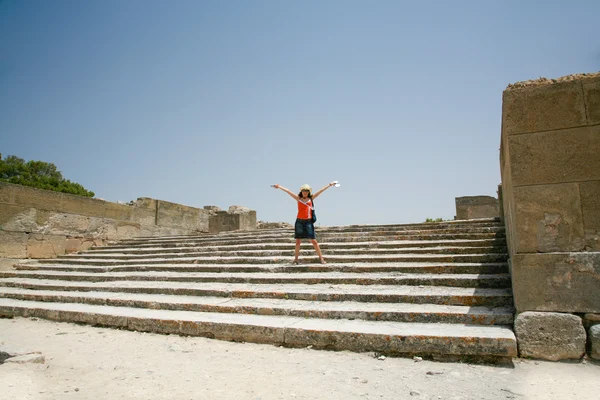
[(210, 102)]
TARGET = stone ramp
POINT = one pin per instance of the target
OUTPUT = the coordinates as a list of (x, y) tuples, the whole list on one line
[(439, 290)]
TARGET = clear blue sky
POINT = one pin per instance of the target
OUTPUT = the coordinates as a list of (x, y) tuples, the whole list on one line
[(210, 102)]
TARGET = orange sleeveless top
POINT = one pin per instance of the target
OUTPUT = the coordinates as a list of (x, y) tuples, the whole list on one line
[(304, 210)]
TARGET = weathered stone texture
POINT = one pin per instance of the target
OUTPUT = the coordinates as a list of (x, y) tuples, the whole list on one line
[(82, 206), (6, 193), (548, 218), (45, 246), (73, 245), (119, 212), (36, 198), (555, 157), (543, 108), (595, 342), (223, 221), (550, 336), (590, 206), (65, 224), (591, 319), (472, 207), (17, 218), (564, 282), (14, 244), (591, 92)]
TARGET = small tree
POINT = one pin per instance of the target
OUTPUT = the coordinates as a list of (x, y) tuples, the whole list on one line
[(38, 174)]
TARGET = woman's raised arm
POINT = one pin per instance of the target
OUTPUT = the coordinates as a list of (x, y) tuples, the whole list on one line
[(288, 191), (322, 190)]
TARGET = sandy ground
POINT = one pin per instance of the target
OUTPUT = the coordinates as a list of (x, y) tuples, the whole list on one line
[(84, 362)]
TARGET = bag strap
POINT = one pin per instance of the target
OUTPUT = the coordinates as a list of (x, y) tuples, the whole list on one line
[(312, 202)]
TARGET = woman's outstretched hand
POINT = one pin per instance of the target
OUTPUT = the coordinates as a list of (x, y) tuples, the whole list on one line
[(276, 186)]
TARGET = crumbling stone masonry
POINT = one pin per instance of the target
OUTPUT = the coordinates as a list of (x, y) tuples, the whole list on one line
[(550, 165), (37, 223)]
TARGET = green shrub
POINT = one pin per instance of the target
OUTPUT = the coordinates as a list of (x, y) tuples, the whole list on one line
[(38, 174)]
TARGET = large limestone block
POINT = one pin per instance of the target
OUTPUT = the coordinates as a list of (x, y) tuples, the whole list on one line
[(471, 207), (37, 198), (13, 244), (80, 205), (550, 336), (223, 222), (17, 218), (555, 157), (591, 92), (45, 246), (548, 218), (543, 108), (595, 342), (567, 282), (590, 207)]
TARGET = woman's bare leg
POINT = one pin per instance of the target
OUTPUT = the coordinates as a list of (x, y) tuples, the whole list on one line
[(297, 251), (318, 250)]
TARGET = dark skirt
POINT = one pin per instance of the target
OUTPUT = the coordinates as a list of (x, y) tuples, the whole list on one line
[(304, 229)]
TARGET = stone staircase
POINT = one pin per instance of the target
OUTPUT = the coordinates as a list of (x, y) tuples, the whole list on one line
[(437, 290)]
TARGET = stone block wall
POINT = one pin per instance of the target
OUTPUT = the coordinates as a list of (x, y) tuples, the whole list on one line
[(223, 221), (37, 223), (472, 207), (550, 167)]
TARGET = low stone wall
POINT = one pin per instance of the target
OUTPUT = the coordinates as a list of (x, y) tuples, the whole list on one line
[(473, 207), (550, 191), (37, 223)]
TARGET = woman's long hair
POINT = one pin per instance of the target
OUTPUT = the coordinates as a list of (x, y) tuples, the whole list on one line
[(309, 195)]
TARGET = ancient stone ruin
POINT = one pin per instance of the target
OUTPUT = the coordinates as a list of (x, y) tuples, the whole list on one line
[(517, 275)]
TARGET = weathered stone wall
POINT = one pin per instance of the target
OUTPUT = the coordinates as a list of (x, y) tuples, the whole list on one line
[(472, 207), (550, 165), (37, 223)]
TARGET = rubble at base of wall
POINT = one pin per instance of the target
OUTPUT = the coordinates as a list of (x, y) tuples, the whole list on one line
[(550, 336), (594, 336)]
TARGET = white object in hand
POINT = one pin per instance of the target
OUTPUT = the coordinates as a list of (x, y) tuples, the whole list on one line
[(336, 184)]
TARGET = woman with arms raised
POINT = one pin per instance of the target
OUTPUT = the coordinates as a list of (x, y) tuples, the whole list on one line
[(305, 227)]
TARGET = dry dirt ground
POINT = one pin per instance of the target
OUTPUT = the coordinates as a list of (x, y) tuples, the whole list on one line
[(83, 362)]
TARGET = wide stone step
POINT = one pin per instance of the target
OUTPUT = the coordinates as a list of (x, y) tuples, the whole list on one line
[(473, 233), (498, 244), (288, 252), (460, 280), (392, 338), (408, 267), (361, 229), (290, 239), (398, 312), (497, 257), (315, 292)]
